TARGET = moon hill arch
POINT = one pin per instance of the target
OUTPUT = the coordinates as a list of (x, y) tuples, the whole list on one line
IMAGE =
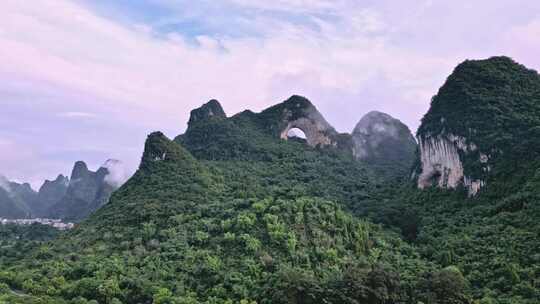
[(209, 124)]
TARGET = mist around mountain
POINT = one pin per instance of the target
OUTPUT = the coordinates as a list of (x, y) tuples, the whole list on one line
[(16, 200), (236, 211), (70, 198)]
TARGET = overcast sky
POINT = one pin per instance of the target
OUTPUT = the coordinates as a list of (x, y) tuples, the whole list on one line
[(89, 79)]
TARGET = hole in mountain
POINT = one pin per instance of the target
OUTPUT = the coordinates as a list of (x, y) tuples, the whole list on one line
[(296, 133)]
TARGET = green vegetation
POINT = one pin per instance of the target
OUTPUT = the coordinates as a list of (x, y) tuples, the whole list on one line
[(228, 213), (493, 103), (184, 230), (17, 240), (493, 238)]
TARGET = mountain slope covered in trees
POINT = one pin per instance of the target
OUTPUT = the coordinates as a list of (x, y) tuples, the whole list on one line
[(230, 213), (186, 230)]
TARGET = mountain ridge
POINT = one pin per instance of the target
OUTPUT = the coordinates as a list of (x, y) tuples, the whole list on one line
[(72, 198)]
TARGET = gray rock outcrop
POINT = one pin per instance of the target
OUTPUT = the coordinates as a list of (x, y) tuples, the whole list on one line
[(299, 112), (87, 191), (441, 162), (50, 193), (380, 138)]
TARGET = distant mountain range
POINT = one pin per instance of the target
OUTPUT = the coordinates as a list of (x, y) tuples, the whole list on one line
[(72, 198)]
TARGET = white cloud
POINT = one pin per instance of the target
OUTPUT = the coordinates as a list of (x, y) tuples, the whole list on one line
[(50, 40), (118, 173), (348, 58)]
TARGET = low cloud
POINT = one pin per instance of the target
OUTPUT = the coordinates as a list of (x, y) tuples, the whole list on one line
[(118, 173), (4, 184)]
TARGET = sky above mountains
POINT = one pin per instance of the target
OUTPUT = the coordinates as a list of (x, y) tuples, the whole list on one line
[(89, 79)]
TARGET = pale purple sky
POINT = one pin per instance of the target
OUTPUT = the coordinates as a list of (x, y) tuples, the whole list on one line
[(89, 79)]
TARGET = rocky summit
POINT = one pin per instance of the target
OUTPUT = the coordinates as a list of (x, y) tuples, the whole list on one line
[(211, 109), (86, 192), (380, 138), (49, 194)]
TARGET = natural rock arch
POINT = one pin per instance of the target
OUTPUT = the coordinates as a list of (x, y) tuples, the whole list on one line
[(298, 112), (314, 131)]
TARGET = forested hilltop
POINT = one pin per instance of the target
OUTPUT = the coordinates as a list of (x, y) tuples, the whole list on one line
[(235, 211)]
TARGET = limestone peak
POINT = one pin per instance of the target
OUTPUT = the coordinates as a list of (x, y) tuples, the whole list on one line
[(383, 139), (80, 169), (211, 109), (478, 119)]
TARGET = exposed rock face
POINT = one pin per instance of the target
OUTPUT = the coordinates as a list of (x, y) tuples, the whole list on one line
[(483, 117), (64, 198), (442, 166), (24, 192), (299, 112), (87, 191), (211, 109), (377, 136), (381, 138), (441, 159), (50, 193)]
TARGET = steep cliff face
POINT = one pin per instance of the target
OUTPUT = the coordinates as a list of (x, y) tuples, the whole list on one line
[(482, 118), (382, 139), (86, 192), (50, 193), (442, 165), (67, 198), (24, 193)]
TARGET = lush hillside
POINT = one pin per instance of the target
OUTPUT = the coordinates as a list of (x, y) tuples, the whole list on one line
[(488, 112), (485, 107), (230, 212), (492, 238), (496, 101), (188, 230), (16, 241)]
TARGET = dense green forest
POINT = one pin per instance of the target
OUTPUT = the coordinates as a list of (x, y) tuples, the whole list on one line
[(16, 240), (229, 213)]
